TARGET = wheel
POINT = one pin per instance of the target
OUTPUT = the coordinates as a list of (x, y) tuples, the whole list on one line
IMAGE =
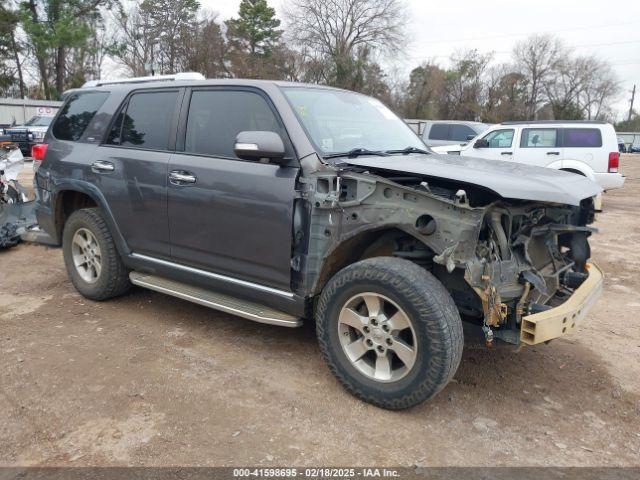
[(91, 257), (389, 331)]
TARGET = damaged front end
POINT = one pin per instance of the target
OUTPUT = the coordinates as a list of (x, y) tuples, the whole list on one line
[(531, 258), (508, 264)]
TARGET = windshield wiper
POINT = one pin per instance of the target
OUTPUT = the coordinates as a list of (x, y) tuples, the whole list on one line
[(356, 152), (408, 150)]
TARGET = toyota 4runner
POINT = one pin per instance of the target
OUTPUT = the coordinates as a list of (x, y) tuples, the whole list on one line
[(283, 202)]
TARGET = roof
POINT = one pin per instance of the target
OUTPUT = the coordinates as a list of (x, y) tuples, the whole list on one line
[(466, 122), (185, 79), (553, 122)]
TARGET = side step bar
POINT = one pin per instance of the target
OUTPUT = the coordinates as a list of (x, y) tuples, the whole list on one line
[(217, 301)]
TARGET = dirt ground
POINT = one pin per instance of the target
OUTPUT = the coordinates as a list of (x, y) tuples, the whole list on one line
[(151, 380)]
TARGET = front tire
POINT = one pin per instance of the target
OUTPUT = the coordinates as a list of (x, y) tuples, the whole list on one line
[(90, 255), (389, 331)]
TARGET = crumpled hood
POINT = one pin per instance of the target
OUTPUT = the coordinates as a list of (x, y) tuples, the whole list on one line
[(507, 179)]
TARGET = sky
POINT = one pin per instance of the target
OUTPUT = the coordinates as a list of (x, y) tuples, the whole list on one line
[(436, 29)]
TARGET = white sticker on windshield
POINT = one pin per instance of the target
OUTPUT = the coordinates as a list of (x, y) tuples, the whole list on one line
[(327, 144), (388, 114)]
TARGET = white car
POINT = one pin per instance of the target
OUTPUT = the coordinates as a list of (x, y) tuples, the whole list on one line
[(585, 148)]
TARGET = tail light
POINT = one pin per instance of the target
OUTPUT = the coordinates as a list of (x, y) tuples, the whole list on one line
[(39, 150), (614, 162)]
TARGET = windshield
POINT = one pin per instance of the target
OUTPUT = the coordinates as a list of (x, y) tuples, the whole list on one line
[(39, 121), (339, 121)]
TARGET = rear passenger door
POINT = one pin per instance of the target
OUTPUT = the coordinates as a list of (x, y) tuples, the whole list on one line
[(130, 168), (540, 146), (233, 217)]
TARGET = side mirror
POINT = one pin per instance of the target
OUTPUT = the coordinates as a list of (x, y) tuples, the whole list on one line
[(257, 145), (481, 143)]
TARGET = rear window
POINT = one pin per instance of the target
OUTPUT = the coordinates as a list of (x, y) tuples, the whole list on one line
[(439, 131), (146, 121), (76, 115), (582, 137)]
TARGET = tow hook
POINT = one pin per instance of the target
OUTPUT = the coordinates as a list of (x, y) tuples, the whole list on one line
[(488, 336)]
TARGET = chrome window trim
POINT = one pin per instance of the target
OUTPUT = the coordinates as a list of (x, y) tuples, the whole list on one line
[(216, 276)]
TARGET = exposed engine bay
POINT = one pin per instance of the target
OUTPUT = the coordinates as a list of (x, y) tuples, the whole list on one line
[(500, 259)]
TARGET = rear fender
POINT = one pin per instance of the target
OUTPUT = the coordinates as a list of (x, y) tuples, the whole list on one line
[(94, 193)]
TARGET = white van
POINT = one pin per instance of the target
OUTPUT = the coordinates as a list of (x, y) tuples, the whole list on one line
[(586, 148)]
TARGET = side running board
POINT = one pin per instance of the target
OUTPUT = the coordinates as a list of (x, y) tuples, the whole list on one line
[(217, 301)]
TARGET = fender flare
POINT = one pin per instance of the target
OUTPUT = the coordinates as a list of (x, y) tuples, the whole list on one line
[(96, 195), (576, 165)]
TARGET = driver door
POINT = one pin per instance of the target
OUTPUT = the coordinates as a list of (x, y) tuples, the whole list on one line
[(499, 145)]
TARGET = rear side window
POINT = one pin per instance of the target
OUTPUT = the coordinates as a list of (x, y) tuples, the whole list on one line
[(439, 131), (76, 115), (216, 117), (582, 137), (459, 133), (146, 121), (539, 138)]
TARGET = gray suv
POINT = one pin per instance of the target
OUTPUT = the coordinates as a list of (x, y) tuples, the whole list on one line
[(284, 203)]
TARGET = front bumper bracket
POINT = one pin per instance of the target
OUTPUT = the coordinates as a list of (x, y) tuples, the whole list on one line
[(544, 326)]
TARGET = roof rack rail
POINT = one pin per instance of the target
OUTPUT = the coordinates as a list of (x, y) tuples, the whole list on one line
[(158, 78), (549, 122)]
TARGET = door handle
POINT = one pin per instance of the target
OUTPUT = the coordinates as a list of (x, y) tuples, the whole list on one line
[(102, 167), (553, 153), (506, 153), (178, 177)]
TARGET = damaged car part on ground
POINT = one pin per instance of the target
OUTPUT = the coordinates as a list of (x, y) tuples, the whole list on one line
[(305, 202), (17, 215)]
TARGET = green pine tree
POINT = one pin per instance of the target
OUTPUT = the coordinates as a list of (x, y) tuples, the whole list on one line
[(257, 26)]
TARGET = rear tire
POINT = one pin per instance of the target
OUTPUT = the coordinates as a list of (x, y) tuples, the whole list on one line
[(90, 255), (389, 331)]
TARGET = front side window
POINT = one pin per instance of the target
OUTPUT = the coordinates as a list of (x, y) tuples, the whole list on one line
[(539, 138), (146, 121), (338, 121), (217, 116), (461, 133), (582, 137), (499, 139), (439, 131), (76, 115)]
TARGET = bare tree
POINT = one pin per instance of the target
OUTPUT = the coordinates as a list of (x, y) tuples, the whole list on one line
[(536, 58), (600, 89), (336, 31), (136, 39)]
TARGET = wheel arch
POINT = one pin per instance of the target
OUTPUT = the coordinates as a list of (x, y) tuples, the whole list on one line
[(72, 196), (370, 243), (577, 167)]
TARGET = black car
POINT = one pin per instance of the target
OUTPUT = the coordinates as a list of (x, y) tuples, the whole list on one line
[(282, 203), (29, 134)]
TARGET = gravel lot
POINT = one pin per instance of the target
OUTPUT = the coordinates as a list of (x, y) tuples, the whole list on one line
[(151, 380)]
